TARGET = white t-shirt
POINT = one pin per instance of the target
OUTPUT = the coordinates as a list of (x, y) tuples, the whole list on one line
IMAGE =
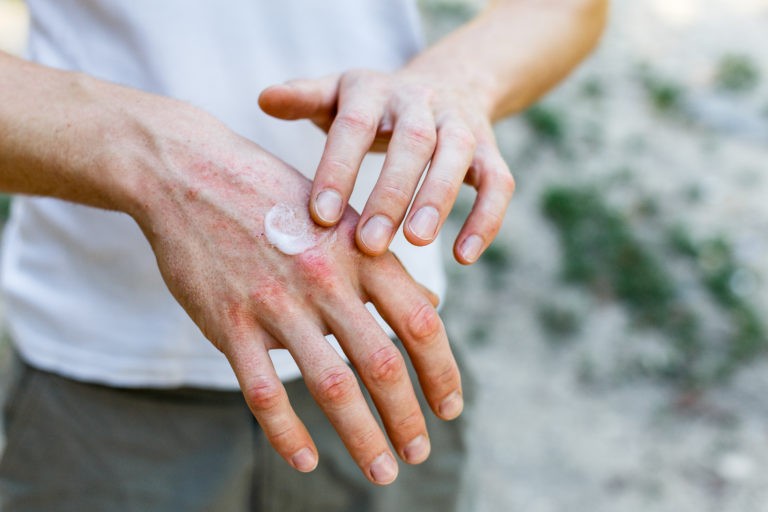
[(83, 294)]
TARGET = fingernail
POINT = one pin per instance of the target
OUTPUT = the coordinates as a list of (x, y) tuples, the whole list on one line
[(471, 247), (417, 450), (424, 222), (304, 460), (384, 469), (376, 233), (452, 406), (328, 205)]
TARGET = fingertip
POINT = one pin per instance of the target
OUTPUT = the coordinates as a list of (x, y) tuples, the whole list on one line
[(383, 470), (417, 450), (304, 460), (423, 225), (469, 249), (374, 236), (327, 207), (451, 406), (275, 100)]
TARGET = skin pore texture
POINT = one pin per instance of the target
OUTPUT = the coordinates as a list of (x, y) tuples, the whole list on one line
[(290, 230)]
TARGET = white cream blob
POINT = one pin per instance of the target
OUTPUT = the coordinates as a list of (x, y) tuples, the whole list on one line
[(290, 230)]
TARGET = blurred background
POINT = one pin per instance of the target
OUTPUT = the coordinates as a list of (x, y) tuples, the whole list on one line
[(617, 325)]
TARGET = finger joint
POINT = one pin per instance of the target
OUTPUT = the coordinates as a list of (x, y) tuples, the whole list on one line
[(459, 138), (424, 323), (264, 394), (420, 135), (336, 387), (386, 365), (357, 121)]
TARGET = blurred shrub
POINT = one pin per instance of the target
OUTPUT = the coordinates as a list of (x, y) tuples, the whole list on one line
[(547, 123), (601, 252), (593, 88), (664, 94), (560, 321), (725, 280), (736, 73)]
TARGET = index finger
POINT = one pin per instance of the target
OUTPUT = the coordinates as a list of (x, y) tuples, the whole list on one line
[(350, 137)]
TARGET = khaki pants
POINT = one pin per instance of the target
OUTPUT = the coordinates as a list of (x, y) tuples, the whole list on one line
[(81, 447)]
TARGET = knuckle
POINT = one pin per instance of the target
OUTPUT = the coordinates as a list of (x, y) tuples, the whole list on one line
[(460, 138), (419, 134), (336, 387), (270, 296), (264, 395), (318, 269), (338, 169), (492, 221), (413, 422), (507, 183), (424, 323), (273, 299), (391, 193), (357, 120), (361, 441), (386, 365), (281, 437), (447, 377), (443, 187)]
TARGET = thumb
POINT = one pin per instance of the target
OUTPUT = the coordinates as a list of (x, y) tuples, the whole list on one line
[(302, 99)]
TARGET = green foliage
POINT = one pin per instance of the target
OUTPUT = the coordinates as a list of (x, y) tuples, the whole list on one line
[(666, 95), (546, 122), (593, 88), (497, 256), (602, 253), (720, 274), (559, 321), (736, 73)]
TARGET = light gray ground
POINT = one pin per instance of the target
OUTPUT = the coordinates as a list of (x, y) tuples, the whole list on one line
[(559, 427)]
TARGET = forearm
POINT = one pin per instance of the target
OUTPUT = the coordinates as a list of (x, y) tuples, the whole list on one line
[(73, 137), (515, 50)]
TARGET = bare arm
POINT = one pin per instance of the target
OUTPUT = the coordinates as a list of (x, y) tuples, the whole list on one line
[(439, 109), (201, 193)]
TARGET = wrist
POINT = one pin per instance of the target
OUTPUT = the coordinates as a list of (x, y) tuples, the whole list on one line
[(458, 77), (153, 146)]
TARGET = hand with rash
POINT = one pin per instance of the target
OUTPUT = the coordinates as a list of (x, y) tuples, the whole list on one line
[(200, 194), (229, 226)]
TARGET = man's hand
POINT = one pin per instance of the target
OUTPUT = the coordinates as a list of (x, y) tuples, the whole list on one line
[(417, 120), (204, 217), (200, 194), (437, 111)]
